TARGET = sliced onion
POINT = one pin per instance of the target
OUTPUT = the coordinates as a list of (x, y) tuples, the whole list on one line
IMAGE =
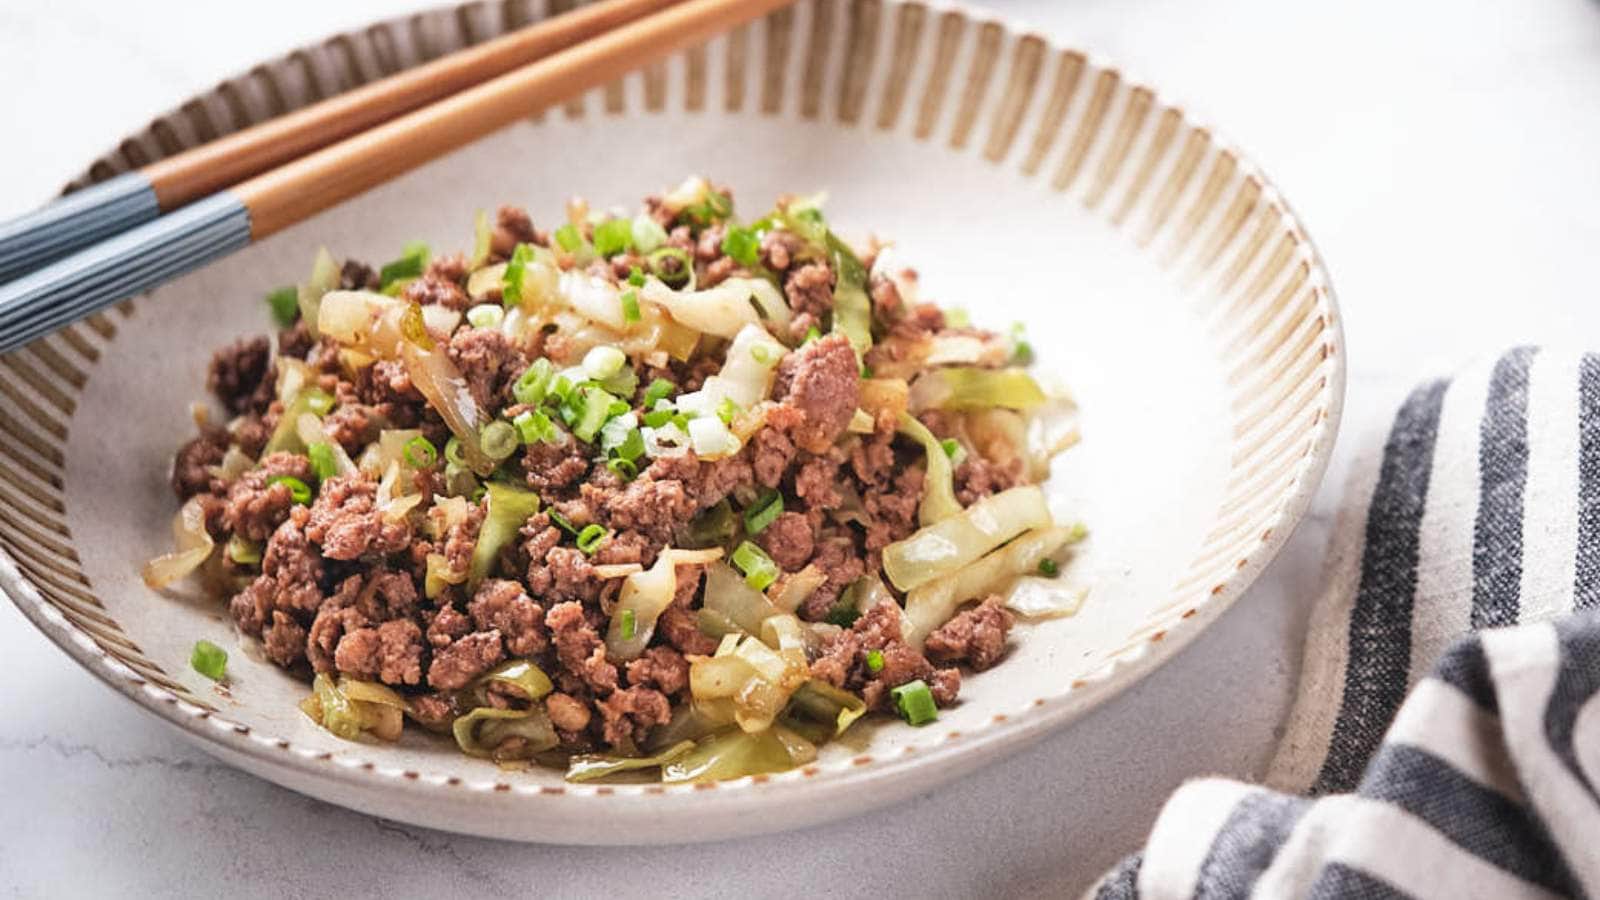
[(795, 588), (324, 278), (711, 439), (939, 497), (665, 442), (647, 594), (746, 375), (727, 593), (1038, 598), (946, 546), (932, 604), (724, 309), (194, 546), (438, 380), (235, 462)]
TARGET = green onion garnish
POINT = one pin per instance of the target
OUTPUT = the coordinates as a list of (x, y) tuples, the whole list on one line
[(533, 426), (951, 447), (569, 238), (672, 275), (760, 514), (413, 259), (323, 463), (758, 568), (531, 385), (285, 305), (592, 406), (486, 315), (454, 454), (613, 236), (728, 410), (298, 490), (843, 613), (625, 469), (516, 271), (319, 401), (478, 493), (628, 624), (656, 418), (914, 702), (1048, 568), (591, 537), (656, 392), (875, 661), (209, 660), (1021, 350), (630, 306), (743, 245), (420, 453), (636, 276), (761, 353), (812, 334), (563, 523), (499, 439)]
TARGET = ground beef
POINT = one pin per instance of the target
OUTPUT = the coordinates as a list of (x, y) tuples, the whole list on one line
[(788, 540), (358, 276), (238, 370), (678, 624), (512, 227), (977, 478), (816, 481), (289, 581), (977, 635), (455, 666), (452, 267), (256, 504), (554, 469), (837, 557), (629, 715), (810, 289), (460, 537), (251, 433), (823, 381), (284, 639), (430, 289), (920, 320), (390, 653), (296, 340), (387, 595), (779, 248), (446, 625), (503, 606), (579, 648), (353, 425), (191, 467), (487, 360), (435, 711), (771, 449), (568, 714), (843, 662), (346, 523), (662, 668)]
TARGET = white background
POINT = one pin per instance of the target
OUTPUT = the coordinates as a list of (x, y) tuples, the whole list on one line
[(1444, 154)]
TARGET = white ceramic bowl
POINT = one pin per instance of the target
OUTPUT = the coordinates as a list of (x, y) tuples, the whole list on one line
[(1156, 269)]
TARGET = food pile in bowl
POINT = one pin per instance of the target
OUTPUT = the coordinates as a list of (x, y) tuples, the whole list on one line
[(670, 491)]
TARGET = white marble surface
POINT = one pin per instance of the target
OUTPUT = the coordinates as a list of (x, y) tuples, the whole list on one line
[(1444, 154)]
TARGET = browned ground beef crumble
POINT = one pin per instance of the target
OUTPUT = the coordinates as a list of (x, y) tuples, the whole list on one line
[(339, 589)]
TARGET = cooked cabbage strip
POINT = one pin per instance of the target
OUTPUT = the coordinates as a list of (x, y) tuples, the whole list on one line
[(350, 708), (946, 546), (594, 766), (932, 604), (194, 546), (852, 309), (506, 510), (735, 754), (645, 596), (722, 310), (961, 387), (939, 497)]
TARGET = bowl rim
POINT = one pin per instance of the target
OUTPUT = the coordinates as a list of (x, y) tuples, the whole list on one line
[(1000, 733)]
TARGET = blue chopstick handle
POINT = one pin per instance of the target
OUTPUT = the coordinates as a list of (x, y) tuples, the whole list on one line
[(75, 221), (130, 263)]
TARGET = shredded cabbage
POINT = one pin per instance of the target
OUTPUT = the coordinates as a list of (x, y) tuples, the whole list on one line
[(592, 767), (506, 510), (946, 546), (735, 754), (852, 310), (932, 604), (324, 278), (822, 702), (645, 596), (484, 731), (722, 310), (967, 388), (350, 708), (758, 679), (939, 497), (727, 593), (194, 547), (746, 375)]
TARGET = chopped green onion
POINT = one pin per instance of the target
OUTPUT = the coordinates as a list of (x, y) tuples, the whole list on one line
[(715, 207), (561, 388), (591, 406), (632, 447), (743, 245), (323, 462), (866, 371), (629, 624), (591, 537), (244, 552), (499, 439), (760, 514), (727, 410), (486, 315), (658, 417), (761, 353), (656, 392), (812, 334), (531, 385), (420, 453), (954, 450), (603, 362), (1021, 350), (1048, 568), (209, 660), (647, 234), (636, 276), (630, 306), (319, 401), (613, 236), (914, 702), (454, 454), (758, 568), (875, 661), (677, 276), (569, 238), (516, 272), (285, 305), (625, 469), (298, 490), (413, 259), (563, 523), (478, 493), (533, 426)]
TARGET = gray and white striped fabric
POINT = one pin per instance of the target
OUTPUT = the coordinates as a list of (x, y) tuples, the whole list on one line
[(1446, 737)]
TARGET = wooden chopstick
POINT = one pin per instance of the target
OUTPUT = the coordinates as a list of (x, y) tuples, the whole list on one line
[(188, 238), (96, 213)]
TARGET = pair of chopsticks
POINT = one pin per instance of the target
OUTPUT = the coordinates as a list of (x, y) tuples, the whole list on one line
[(138, 230)]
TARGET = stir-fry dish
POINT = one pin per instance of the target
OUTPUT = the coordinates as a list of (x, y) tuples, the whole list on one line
[(673, 491)]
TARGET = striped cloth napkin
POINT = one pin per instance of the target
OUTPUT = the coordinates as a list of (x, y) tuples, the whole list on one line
[(1445, 741)]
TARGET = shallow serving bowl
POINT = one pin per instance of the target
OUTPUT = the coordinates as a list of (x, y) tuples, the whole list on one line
[(1157, 271)]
